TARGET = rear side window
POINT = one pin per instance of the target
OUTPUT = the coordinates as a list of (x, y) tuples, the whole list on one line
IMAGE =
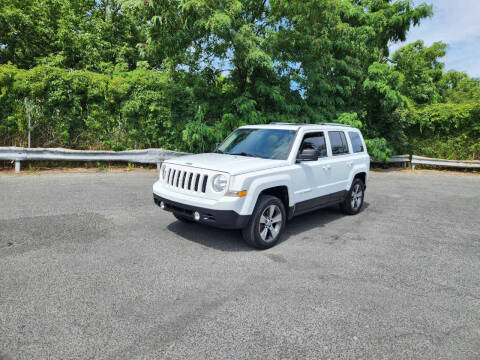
[(357, 145), (338, 142), (315, 141)]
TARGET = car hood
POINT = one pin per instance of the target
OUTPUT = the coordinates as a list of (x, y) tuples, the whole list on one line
[(232, 164)]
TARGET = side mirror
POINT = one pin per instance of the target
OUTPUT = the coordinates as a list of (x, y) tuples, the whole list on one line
[(216, 146), (307, 155)]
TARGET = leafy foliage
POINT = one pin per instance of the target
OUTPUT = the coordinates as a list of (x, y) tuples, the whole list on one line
[(182, 74), (446, 130), (83, 110), (80, 34), (443, 117), (422, 71)]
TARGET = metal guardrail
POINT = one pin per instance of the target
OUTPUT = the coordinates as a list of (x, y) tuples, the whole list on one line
[(398, 159), (466, 164), (147, 156), (420, 160), (156, 156)]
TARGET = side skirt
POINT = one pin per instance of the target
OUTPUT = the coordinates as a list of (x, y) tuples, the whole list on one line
[(317, 203)]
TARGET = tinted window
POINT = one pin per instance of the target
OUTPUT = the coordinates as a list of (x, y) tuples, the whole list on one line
[(357, 145), (264, 143), (315, 141), (338, 142)]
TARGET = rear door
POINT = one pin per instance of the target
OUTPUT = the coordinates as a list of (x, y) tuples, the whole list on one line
[(359, 155), (339, 164)]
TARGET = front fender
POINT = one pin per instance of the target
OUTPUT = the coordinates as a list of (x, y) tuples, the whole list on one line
[(256, 186)]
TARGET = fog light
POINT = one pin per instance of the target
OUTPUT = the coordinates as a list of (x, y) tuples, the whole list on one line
[(162, 205), (196, 216)]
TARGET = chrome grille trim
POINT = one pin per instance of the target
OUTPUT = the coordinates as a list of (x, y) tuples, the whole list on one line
[(187, 179)]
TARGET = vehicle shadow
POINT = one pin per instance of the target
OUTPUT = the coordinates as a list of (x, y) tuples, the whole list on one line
[(231, 240), (219, 239), (315, 219)]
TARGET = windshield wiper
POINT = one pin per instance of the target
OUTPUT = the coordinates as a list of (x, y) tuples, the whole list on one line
[(245, 154)]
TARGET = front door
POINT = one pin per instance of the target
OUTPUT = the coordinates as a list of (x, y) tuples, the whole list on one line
[(311, 178)]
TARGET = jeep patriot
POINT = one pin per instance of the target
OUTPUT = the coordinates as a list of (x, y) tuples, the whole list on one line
[(262, 175)]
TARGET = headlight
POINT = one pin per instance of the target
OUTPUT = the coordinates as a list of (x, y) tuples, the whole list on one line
[(219, 183)]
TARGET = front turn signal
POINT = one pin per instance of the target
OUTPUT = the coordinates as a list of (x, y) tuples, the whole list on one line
[(242, 193)]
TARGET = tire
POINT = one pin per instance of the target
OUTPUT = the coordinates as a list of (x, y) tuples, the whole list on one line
[(182, 218), (354, 200), (257, 233)]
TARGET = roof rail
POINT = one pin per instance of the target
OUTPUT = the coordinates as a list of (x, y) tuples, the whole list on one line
[(335, 124), (303, 124)]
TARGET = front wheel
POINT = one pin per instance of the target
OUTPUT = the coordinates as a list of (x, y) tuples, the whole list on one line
[(266, 223), (354, 200)]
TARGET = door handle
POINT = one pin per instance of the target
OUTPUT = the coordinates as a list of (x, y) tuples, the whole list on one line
[(326, 167)]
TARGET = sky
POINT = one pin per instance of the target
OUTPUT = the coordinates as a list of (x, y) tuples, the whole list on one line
[(456, 23)]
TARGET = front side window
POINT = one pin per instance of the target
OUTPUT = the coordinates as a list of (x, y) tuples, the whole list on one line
[(315, 141), (338, 142), (357, 144), (263, 143)]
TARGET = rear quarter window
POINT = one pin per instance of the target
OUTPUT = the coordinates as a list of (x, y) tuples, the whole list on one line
[(356, 140)]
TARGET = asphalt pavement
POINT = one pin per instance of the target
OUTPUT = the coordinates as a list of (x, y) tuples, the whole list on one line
[(90, 268)]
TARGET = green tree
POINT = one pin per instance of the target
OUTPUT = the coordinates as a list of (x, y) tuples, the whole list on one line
[(458, 87), (276, 60), (80, 34), (442, 119), (184, 73), (422, 69), (385, 104)]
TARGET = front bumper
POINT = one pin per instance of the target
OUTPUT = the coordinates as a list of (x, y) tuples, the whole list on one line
[(225, 219)]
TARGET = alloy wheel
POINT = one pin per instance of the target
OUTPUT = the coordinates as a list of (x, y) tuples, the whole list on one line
[(357, 196), (270, 223)]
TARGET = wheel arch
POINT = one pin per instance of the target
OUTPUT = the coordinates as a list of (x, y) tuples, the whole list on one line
[(280, 192), (279, 187), (360, 172), (362, 176)]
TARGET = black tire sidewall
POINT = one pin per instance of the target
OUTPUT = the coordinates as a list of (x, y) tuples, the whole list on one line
[(251, 233), (347, 204)]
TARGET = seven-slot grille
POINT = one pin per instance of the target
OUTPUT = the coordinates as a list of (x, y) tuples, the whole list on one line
[(186, 180)]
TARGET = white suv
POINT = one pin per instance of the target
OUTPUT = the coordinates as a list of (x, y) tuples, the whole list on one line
[(262, 175)]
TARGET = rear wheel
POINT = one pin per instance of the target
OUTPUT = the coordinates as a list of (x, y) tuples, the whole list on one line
[(354, 200), (182, 218), (266, 223)]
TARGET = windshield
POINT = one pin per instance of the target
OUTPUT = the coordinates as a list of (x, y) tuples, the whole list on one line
[(263, 143)]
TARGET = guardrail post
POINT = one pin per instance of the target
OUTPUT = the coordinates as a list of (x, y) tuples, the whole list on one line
[(17, 166)]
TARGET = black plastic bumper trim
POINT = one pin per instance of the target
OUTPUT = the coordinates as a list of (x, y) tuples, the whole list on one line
[(225, 219)]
